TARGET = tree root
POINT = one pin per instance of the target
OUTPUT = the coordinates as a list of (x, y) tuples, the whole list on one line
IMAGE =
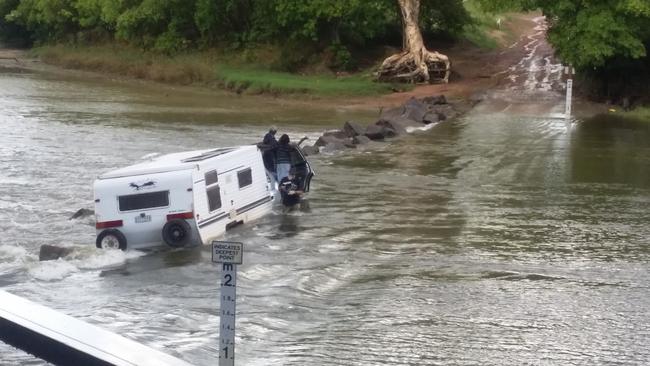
[(404, 67)]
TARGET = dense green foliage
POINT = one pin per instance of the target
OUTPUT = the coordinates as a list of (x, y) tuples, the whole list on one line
[(337, 27), (591, 33), (607, 40), (10, 31)]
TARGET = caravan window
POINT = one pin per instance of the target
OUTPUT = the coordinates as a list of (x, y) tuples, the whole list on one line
[(211, 178), (144, 200), (245, 178), (214, 198)]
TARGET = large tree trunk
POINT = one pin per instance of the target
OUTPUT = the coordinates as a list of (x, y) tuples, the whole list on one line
[(415, 63)]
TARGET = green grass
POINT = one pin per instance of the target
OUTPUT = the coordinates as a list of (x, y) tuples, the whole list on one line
[(262, 81), (485, 24), (479, 37), (641, 113), (237, 72)]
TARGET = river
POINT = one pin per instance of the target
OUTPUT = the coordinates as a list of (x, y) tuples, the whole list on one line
[(502, 237)]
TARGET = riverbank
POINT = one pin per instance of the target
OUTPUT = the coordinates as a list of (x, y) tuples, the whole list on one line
[(641, 113), (475, 69), (212, 69)]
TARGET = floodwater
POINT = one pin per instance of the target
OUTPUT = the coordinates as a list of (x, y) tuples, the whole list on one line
[(503, 237)]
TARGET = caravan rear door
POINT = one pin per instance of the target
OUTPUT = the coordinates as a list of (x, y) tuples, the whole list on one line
[(208, 208), (302, 167)]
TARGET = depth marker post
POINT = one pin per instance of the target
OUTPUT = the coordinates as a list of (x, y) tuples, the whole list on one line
[(229, 254), (569, 71)]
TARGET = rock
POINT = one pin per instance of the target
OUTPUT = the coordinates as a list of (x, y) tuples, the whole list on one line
[(435, 100), (452, 113), (392, 113), (310, 150), (349, 143), (389, 132), (399, 124), (327, 139), (444, 112), (360, 140), (478, 97), (52, 252), (335, 146), (339, 134), (375, 132), (414, 110), (433, 117), (392, 124), (82, 212), (353, 129)]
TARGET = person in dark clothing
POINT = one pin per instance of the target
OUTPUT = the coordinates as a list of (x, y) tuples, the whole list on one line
[(282, 157), (289, 190), (269, 138)]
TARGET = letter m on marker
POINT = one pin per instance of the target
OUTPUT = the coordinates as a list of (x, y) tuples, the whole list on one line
[(227, 267)]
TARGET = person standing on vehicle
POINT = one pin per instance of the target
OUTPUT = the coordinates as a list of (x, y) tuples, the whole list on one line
[(283, 157), (269, 138)]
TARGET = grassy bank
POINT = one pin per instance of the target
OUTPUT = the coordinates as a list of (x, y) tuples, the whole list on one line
[(641, 113), (207, 69)]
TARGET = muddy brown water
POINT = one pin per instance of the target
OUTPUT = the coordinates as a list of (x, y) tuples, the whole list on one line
[(503, 237)]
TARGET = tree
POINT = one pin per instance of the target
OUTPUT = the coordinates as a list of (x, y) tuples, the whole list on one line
[(605, 40), (591, 34), (415, 63)]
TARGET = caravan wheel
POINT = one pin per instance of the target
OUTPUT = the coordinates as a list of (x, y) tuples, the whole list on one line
[(111, 239), (176, 233)]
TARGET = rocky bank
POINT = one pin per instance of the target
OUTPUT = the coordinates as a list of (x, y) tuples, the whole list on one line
[(412, 115)]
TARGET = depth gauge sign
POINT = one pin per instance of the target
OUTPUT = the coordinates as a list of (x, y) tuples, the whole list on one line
[(229, 254)]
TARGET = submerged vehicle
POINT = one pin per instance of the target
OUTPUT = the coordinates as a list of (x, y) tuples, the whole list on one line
[(187, 198)]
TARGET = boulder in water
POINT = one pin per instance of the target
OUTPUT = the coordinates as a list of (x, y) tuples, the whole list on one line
[(310, 150), (433, 117), (414, 110), (82, 212), (353, 129), (327, 140), (360, 140), (334, 146), (398, 124), (339, 134), (52, 252), (375, 132), (435, 99)]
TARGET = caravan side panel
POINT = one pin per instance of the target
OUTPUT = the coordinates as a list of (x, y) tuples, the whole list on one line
[(251, 190), (230, 189)]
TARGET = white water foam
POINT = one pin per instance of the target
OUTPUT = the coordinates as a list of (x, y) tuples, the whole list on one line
[(52, 270), (13, 257), (81, 259), (12, 252), (423, 128), (150, 156), (105, 259)]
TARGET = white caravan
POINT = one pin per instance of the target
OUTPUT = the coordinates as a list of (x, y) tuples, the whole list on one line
[(186, 198)]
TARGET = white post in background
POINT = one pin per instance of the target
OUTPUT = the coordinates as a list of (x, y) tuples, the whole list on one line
[(569, 92), (229, 254)]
